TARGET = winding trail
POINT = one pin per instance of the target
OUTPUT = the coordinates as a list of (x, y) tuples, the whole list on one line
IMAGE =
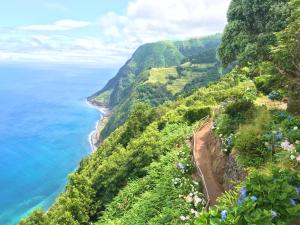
[(203, 161)]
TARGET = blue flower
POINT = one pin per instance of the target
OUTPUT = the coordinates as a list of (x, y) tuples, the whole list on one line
[(223, 214), (243, 192), (290, 117), (278, 136), (298, 189), (274, 214), (253, 198), (293, 202), (240, 201)]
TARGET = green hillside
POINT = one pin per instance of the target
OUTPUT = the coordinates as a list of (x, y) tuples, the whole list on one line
[(153, 55), (157, 73), (143, 172)]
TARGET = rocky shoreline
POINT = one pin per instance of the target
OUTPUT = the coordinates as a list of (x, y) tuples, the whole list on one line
[(95, 136)]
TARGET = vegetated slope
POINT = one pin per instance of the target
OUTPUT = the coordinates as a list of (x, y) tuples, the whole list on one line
[(264, 139), (142, 173), (159, 54), (159, 72)]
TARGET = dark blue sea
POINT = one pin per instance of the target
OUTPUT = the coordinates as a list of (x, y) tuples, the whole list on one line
[(44, 127)]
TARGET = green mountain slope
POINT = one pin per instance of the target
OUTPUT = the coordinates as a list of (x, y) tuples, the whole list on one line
[(160, 54), (143, 172), (155, 74)]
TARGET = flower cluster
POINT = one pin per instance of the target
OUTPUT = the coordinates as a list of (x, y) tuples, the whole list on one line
[(184, 218), (187, 187), (286, 145), (195, 198), (183, 168), (243, 196), (294, 201), (227, 142), (291, 148), (275, 95), (284, 134)]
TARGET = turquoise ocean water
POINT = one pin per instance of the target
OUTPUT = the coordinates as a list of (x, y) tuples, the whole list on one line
[(44, 127)]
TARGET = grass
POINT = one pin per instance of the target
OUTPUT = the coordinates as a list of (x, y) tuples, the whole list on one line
[(177, 85), (160, 75), (270, 104), (104, 97)]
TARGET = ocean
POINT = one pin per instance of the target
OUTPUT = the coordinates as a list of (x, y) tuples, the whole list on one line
[(44, 127)]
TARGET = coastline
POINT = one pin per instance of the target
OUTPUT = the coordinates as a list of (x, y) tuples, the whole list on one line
[(94, 136)]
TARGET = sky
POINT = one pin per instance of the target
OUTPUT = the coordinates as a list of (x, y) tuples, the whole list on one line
[(99, 33)]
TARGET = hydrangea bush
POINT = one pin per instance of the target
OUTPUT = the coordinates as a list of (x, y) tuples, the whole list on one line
[(264, 199)]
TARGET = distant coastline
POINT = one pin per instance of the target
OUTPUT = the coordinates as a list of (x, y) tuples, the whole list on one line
[(95, 135)]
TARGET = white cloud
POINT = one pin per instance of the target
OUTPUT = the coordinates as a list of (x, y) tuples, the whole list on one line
[(148, 20), (61, 25), (61, 49), (116, 35)]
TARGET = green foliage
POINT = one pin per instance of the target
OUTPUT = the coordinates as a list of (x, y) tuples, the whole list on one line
[(195, 114), (154, 75), (140, 117), (235, 112), (276, 95), (248, 142), (153, 94), (250, 30), (154, 55), (38, 217), (265, 199), (238, 107), (286, 55), (265, 83), (156, 199), (140, 170), (160, 85)]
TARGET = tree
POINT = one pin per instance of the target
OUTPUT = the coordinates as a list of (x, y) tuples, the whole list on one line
[(38, 217), (250, 30), (286, 56)]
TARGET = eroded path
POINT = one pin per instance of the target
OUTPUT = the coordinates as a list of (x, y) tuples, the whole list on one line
[(203, 160)]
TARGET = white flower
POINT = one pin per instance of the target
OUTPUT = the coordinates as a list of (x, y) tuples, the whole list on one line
[(287, 146), (197, 200), (194, 212), (182, 218), (295, 128), (189, 199), (293, 157)]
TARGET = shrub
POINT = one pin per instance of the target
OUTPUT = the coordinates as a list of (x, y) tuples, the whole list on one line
[(265, 199), (195, 114), (276, 95), (263, 83), (238, 107), (249, 142)]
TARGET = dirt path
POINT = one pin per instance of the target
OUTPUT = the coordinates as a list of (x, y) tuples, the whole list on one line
[(204, 162)]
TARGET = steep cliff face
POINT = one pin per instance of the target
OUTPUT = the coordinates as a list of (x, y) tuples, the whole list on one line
[(224, 166), (154, 55)]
